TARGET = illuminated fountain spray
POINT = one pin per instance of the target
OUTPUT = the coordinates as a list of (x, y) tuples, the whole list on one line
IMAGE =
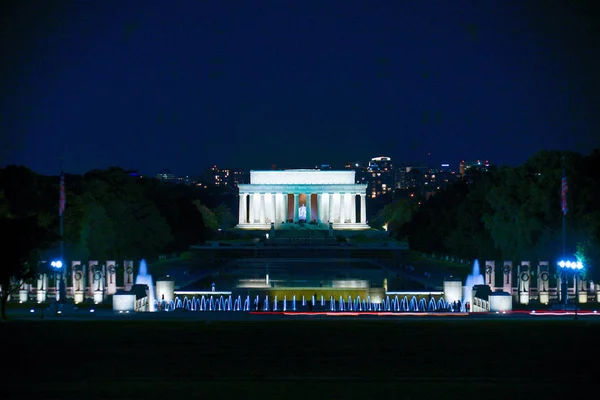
[(475, 278), (143, 278)]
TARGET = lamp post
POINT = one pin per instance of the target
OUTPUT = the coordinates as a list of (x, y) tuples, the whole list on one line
[(57, 265), (575, 267)]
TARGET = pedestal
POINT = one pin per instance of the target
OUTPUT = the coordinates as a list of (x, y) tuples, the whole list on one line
[(544, 298), (124, 301), (453, 290), (78, 297), (98, 296), (23, 295), (597, 296), (41, 296), (165, 290), (583, 297), (524, 298)]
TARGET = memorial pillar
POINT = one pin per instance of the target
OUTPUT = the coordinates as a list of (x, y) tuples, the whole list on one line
[(286, 207), (308, 213), (353, 208), (263, 208), (342, 208), (331, 215), (319, 207), (274, 208), (295, 207), (242, 209), (363, 208), (251, 208)]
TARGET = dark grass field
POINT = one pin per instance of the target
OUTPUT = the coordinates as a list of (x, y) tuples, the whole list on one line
[(309, 359)]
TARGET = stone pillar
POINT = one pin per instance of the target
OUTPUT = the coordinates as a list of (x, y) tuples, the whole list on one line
[(353, 208), (276, 218), (490, 274), (262, 208), (98, 284), (342, 209), (507, 277), (524, 282), (251, 208), (308, 213), (23, 292), (331, 215), (295, 207), (111, 277), (42, 287), (128, 275), (242, 209), (92, 266), (319, 207), (543, 281), (580, 289), (286, 207), (78, 279), (363, 208)]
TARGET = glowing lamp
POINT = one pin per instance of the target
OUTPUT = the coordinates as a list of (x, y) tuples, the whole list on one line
[(567, 264), (56, 264)]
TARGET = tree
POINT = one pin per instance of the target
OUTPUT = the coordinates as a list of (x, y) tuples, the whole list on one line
[(23, 240), (210, 219), (119, 219), (524, 219), (395, 215)]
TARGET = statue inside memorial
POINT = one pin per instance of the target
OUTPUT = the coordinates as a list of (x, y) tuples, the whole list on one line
[(302, 213)]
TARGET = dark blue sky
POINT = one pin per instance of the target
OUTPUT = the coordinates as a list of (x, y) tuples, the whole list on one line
[(247, 84)]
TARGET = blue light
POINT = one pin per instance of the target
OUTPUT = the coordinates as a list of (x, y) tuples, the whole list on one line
[(56, 264), (575, 265)]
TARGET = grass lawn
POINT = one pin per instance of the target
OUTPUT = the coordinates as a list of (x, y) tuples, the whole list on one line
[(297, 359)]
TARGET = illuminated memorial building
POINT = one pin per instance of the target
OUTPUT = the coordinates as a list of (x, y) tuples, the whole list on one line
[(320, 198)]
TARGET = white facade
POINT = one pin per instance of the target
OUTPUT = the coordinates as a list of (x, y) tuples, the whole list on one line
[(276, 197)]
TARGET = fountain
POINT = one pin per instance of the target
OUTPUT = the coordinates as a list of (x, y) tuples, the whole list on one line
[(475, 278), (143, 278)]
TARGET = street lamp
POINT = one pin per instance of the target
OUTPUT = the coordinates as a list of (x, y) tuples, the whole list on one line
[(575, 267), (57, 265)]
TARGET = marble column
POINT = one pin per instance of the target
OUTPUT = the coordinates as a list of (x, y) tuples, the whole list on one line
[(353, 208), (274, 208), (295, 207), (319, 207), (251, 208), (286, 207), (363, 208), (262, 208), (331, 215), (342, 209), (308, 213), (242, 216)]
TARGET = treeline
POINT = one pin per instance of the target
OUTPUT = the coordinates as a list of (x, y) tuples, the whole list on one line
[(509, 213), (112, 215)]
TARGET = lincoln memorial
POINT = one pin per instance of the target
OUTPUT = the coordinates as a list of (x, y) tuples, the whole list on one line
[(317, 197)]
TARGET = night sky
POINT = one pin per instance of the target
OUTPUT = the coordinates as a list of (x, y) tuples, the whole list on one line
[(187, 84)]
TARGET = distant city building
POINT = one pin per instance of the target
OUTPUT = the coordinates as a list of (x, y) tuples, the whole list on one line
[(470, 165), (422, 180), (380, 176), (165, 175), (215, 176)]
